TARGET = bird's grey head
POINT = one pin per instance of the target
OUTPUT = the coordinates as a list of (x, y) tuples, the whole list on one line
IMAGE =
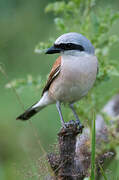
[(71, 42)]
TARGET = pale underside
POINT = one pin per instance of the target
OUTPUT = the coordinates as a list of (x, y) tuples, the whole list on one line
[(77, 76)]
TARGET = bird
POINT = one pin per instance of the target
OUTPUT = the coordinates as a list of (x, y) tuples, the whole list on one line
[(73, 74)]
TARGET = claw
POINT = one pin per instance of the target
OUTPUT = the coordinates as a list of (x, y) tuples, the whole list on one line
[(81, 128)]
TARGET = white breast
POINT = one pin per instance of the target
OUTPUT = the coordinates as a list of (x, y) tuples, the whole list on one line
[(77, 76)]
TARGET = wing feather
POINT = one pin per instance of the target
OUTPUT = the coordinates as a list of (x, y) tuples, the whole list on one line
[(53, 74)]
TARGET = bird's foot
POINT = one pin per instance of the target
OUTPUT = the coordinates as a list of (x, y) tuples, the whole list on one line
[(70, 123), (73, 123), (80, 126)]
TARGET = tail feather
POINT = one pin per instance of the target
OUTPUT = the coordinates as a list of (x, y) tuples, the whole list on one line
[(44, 101), (30, 112), (27, 114)]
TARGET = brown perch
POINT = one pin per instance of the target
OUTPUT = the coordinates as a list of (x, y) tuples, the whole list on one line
[(74, 159), (64, 165)]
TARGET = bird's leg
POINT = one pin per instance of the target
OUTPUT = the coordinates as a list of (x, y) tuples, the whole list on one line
[(76, 116), (58, 105)]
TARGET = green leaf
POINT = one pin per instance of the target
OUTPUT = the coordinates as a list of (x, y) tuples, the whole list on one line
[(56, 7), (60, 24), (114, 17), (41, 47), (95, 22)]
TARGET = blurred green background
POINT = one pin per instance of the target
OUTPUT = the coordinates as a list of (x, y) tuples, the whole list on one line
[(22, 25)]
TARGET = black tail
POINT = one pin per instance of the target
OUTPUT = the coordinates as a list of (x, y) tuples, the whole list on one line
[(27, 114), (33, 110)]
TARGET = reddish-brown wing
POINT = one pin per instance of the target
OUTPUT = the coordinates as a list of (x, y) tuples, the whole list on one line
[(53, 74)]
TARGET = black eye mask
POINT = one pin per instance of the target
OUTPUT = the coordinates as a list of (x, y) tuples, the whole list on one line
[(69, 46)]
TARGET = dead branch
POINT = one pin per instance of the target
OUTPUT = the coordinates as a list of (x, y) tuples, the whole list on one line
[(64, 167)]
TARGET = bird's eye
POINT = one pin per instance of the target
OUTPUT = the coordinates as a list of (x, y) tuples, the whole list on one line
[(69, 45), (63, 46)]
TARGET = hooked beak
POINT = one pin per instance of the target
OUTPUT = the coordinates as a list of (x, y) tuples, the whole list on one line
[(53, 50)]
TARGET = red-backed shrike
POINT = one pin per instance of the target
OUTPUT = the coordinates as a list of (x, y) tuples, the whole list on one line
[(71, 77)]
